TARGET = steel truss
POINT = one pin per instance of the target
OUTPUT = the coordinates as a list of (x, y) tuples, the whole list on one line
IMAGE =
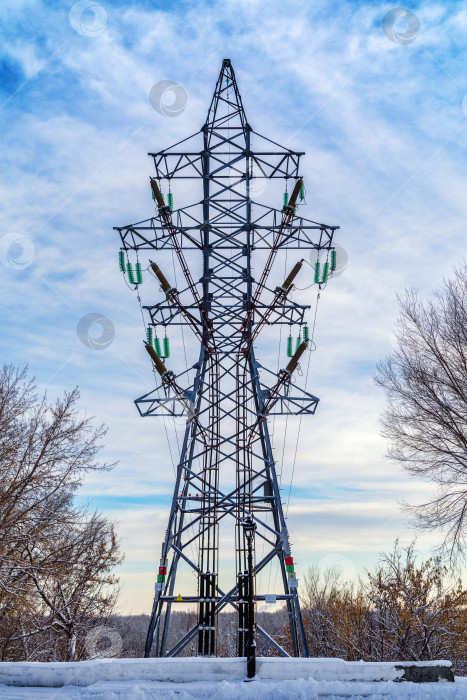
[(226, 470)]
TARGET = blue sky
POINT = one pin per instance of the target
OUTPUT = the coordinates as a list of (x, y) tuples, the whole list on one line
[(384, 131)]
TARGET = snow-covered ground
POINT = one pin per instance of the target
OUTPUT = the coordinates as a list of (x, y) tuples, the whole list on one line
[(238, 690)]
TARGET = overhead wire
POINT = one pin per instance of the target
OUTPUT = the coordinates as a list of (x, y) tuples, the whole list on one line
[(164, 421), (155, 377), (191, 529), (274, 416), (312, 343), (301, 415)]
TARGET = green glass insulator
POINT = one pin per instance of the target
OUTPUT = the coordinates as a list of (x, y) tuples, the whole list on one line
[(129, 269), (306, 334), (333, 260), (317, 267), (149, 335), (139, 274), (298, 342), (157, 346), (325, 273), (153, 194), (170, 201), (166, 347), (286, 198), (289, 346), (302, 192), (121, 260)]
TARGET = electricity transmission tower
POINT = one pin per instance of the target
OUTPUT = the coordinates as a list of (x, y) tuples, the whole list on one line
[(226, 483)]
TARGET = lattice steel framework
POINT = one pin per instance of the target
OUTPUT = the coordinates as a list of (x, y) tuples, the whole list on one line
[(226, 470)]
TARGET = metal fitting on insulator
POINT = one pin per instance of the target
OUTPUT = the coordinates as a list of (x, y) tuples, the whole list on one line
[(296, 358), (157, 194), (159, 365), (290, 278), (160, 276)]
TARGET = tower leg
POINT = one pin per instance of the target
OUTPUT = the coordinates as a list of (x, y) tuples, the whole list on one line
[(208, 523)]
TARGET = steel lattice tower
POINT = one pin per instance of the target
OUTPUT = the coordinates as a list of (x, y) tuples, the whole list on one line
[(226, 471)]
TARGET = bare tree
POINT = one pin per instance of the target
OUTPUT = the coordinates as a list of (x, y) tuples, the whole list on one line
[(418, 610), (335, 615), (405, 609), (55, 560), (71, 577), (425, 379)]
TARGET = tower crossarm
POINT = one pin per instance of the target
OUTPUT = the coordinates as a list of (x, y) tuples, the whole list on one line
[(290, 400), (188, 166), (284, 313), (169, 382), (302, 234)]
